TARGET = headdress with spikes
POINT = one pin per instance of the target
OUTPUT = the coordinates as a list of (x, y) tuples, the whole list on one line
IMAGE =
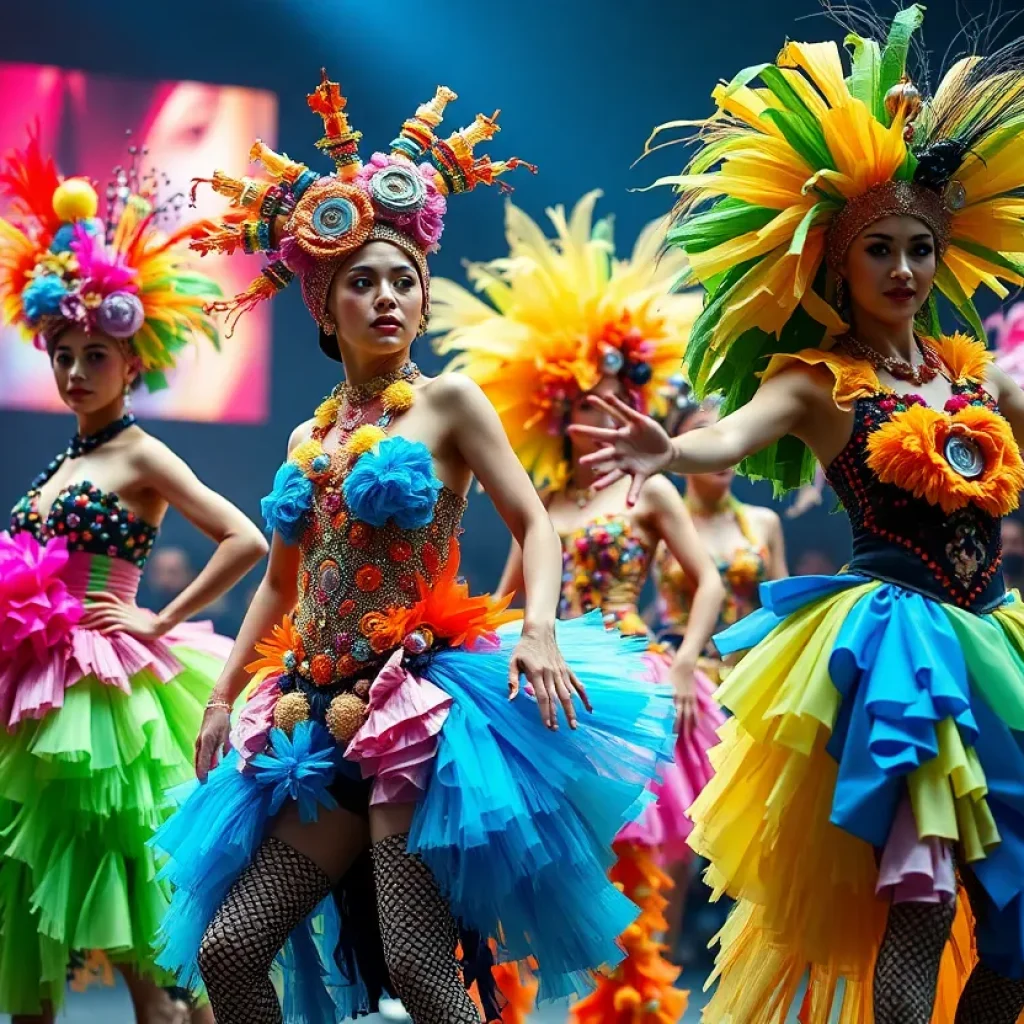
[(62, 265), (799, 158), (308, 224)]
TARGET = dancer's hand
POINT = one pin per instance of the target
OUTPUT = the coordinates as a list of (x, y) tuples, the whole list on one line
[(638, 447), (538, 658), (107, 613), (684, 694), (212, 741)]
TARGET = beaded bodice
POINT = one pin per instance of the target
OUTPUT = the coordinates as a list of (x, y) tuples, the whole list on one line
[(741, 575), (604, 566), (355, 577), (951, 553), (92, 520)]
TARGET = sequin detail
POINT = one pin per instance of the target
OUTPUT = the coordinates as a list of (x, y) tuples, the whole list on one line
[(92, 520)]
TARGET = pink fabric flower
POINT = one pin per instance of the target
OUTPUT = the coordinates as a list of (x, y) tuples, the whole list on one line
[(101, 269), (36, 608), (956, 403), (399, 738), (425, 225), (251, 733)]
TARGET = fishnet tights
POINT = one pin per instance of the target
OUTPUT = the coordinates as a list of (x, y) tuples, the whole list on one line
[(989, 998), (908, 961), (274, 894), (908, 968), (419, 938)]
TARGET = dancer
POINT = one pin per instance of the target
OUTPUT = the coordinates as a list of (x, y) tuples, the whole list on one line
[(379, 754), (877, 748), (745, 541), (569, 321), (100, 699)]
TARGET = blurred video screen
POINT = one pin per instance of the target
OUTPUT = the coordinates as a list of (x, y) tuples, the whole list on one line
[(189, 129)]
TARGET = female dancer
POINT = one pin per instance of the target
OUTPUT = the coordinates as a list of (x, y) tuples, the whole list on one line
[(877, 748), (573, 322), (378, 755), (745, 541), (100, 699)]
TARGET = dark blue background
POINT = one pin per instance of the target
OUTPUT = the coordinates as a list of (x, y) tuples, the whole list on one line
[(580, 85)]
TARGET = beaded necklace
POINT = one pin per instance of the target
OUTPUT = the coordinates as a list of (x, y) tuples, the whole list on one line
[(82, 444), (923, 373), (351, 406)]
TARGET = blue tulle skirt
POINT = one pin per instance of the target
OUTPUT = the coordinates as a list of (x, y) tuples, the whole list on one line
[(516, 822)]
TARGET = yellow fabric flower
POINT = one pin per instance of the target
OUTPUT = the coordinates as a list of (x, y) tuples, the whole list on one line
[(326, 412), (364, 438), (909, 451), (398, 397), (966, 358), (304, 454)]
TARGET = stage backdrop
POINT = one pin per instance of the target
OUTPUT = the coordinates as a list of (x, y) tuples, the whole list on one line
[(83, 120)]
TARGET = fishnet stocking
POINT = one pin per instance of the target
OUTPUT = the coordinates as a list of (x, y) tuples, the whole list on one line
[(274, 894), (419, 938), (989, 998), (908, 961)]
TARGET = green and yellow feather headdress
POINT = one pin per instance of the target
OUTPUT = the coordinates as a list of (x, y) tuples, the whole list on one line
[(798, 158)]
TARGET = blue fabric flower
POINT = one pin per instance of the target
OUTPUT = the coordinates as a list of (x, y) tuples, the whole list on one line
[(43, 296), (285, 507), (65, 234), (298, 768), (394, 481)]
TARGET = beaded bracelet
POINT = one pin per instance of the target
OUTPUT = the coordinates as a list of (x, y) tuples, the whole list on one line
[(218, 704)]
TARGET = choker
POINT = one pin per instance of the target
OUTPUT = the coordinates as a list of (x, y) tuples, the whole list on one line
[(81, 445)]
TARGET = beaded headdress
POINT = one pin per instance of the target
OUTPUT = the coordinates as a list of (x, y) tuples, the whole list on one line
[(562, 314), (800, 156), (309, 223), (62, 265)]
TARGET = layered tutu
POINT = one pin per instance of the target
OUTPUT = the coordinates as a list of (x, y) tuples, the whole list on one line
[(97, 728), (873, 728), (666, 825), (515, 822)]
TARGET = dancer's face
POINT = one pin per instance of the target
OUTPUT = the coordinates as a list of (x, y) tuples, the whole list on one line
[(711, 487), (376, 300), (92, 371), (587, 414), (890, 268)]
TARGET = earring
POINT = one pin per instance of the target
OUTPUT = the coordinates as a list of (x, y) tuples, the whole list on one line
[(127, 398), (841, 296)]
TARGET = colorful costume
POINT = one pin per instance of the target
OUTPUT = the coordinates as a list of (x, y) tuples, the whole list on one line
[(879, 714), (98, 725), (388, 684), (565, 314), (742, 573)]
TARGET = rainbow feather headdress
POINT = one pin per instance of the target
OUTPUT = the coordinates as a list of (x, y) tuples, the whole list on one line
[(563, 313), (309, 223), (61, 265), (799, 157)]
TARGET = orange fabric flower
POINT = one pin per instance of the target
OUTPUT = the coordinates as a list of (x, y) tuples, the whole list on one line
[(283, 638), (446, 607), (966, 357), (387, 629), (909, 451), (321, 668)]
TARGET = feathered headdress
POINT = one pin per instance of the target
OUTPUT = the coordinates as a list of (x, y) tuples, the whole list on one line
[(310, 223), (563, 313), (62, 265), (801, 156)]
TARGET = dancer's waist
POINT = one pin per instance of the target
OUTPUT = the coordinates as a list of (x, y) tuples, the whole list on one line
[(92, 574)]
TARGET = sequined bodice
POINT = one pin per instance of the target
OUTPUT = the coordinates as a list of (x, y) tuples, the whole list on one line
[(354, 579), (741, 575), (93, 521), (604, 566), (948, 547)]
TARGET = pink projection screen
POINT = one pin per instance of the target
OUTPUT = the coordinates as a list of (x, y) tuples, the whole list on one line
[(190, 129)]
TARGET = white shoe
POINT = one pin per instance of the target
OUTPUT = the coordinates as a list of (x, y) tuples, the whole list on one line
[(393, 1010)]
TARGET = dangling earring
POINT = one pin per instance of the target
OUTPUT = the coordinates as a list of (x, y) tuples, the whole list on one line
[(127, 398), (841, 297)]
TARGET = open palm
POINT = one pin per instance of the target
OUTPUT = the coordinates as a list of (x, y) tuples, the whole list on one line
[(637, 447)]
